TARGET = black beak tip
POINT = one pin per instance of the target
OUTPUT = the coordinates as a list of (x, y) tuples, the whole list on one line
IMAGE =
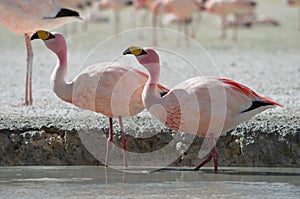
[(126, 52), (34, 36)]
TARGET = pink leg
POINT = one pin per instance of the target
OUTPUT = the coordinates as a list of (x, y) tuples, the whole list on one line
[(154, 23), (213, 154), (299, 17), (28, 88), (124, 142), (109, 140), (117, 25), (235, 31), (223, 25)]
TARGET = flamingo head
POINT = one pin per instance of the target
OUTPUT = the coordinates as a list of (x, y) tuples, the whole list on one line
[(54, 41), (147, 57)]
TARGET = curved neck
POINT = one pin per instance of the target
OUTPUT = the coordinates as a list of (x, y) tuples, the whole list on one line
[(151, 93), (62, 89)]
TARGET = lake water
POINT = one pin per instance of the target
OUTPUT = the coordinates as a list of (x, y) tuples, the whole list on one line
[(101, 182)]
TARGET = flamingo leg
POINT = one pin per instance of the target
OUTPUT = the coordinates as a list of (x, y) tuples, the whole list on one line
[(109, 140), (236, 27), (154, 23), (28, 86), (299, 16), (117, 25), (213, 154), (223, 25), (124, 141)]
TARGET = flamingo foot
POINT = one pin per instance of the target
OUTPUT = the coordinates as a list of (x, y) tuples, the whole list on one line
[(213, 154)]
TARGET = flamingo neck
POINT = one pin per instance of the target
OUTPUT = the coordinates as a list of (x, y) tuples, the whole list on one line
[(61, 88), (151, 93)]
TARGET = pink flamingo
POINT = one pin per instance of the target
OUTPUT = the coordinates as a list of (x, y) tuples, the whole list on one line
[(116, 6), (295, 3), (182, 11), (25, 17), (107, 88), (153, 6), (237, 8), (195, 106)]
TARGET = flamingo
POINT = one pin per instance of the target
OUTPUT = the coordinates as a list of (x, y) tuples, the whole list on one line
[(237, 8), (108, 88), (116, 6), (27, 16), (153, 6), (295, 3), (181, 11), (195, 106)]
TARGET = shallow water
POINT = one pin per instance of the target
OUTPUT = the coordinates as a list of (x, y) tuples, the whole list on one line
[(100, 182)]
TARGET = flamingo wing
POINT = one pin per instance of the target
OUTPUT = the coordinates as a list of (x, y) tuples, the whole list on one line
[(257, 99)]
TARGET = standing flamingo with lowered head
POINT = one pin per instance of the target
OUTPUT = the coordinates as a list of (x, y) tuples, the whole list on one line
[(117, 6), (205, 106), (27, 16), (107, 88)]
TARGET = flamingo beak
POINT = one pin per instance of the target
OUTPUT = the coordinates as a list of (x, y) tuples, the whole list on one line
[(136, 51), (43, 35)]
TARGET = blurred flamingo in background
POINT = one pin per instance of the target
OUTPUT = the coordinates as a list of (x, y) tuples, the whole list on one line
[(177, 11), (237, 8), (27, 16), (108, 88), (295, 3), (151, 6), (197, 106), (180, 12), (117, 6)]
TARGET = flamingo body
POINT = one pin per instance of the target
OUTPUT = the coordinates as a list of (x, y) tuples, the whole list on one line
[(225, 7), (26, 17), (204, 106), (110, 89), (294, 2), (182, 9), (238, 8), (193, 98)]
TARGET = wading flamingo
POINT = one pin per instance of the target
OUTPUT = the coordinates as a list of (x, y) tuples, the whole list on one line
[(27, 16), (108, 88), (117, 6), (182, 11), (225, 8), (196, 106), (295, 3), (153, 6)]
